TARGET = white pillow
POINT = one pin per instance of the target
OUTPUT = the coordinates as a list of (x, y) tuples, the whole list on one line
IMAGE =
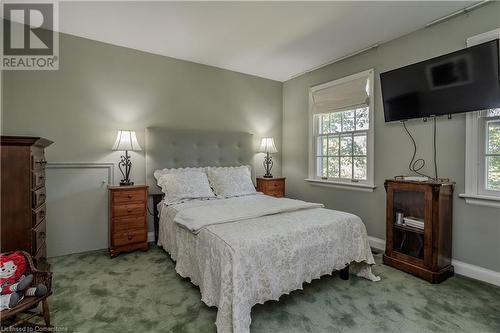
[(158, 173), (231, 181), (181, 186)]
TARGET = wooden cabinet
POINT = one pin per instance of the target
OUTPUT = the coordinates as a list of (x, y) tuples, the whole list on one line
[(23, 211), (128, 226), (424, 251), (271, 186)]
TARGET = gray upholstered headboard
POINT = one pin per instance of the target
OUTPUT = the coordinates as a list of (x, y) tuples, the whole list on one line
[(173, 148)]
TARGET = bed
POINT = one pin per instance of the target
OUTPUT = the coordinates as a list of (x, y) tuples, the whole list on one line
[(246, 250)]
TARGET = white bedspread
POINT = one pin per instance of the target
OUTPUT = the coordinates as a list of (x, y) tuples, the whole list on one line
[(255, 257), (242, 208)]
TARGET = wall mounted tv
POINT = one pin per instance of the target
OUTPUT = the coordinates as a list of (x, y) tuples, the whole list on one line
[(465, 80)]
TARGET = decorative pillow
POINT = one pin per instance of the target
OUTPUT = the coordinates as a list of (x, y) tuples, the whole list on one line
[(180, 186), (158, 173), (231, 181)]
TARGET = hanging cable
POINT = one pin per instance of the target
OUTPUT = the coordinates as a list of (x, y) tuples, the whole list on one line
[(414, 164), (149, 211)]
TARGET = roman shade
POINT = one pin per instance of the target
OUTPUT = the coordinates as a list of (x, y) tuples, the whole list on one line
[(340, 96), (488, 113)]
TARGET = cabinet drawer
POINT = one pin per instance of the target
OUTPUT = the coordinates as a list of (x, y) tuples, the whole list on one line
[(37, 179), (274, 186), (129, 237), (124, 197), (39, 235), (129, 223), (38, 197), (127, 210), (41, 254), (275, 193), (38, 160), (38, 214)]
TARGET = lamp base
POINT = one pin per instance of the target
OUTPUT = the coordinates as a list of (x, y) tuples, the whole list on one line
[(126, 183), (268, 165)]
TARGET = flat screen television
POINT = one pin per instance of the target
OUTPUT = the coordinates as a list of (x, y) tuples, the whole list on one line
[(465, 80)]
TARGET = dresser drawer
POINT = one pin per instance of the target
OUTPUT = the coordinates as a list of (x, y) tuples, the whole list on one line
[(271, 186), (129, 223), (38, 160), (275, 193), (41, 254), (37, 179), (129, 237), (38, 197), (131, 209), (125, 197), (39, 235), (38, 214)]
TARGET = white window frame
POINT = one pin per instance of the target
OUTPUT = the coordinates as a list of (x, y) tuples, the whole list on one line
[(476, 192), (362, 185)]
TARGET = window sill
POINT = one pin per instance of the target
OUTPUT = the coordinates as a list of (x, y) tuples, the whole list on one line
[(481, 200), (342, 185)]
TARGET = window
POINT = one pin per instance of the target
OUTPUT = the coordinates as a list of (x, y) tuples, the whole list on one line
[(342, 144), (482, 154), (341, 132), (491, 125)]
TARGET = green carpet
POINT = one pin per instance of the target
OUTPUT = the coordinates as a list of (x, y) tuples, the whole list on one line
[(140, 292)]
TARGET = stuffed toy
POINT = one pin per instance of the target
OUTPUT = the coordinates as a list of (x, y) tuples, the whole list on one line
[(13, 283)]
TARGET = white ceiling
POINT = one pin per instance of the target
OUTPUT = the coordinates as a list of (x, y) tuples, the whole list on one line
[(273, 40)]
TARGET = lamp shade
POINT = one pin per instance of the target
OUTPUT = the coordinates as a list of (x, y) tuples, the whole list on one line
[(267, 146), (126, 140)]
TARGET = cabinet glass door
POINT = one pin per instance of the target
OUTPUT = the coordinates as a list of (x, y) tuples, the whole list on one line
[(408, 216)]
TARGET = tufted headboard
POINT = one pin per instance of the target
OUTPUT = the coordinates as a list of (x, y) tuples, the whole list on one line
[(174, 148)]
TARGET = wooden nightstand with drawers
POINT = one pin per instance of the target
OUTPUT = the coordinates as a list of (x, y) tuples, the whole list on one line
[(128, 223), (271, 186)]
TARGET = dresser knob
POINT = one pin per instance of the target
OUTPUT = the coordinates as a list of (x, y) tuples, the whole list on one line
[(129, 196)]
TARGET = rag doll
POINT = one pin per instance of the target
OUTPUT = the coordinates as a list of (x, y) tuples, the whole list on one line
[(14, 283)]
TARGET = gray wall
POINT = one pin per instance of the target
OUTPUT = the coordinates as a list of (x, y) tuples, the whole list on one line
[(476, 230), (101, 88)]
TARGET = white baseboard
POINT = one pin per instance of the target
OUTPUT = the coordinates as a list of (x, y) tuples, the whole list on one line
[(462, 268), (151, 236), (377, 243), (476, 272)]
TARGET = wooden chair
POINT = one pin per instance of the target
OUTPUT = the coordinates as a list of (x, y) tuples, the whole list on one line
[(26, 309)]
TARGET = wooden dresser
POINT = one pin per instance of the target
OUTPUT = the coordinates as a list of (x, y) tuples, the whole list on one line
[(421, 248), (23, 224), (128, 223), (271, 186)]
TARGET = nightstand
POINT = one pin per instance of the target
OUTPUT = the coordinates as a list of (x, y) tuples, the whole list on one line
[(128, 223), (271, 186)]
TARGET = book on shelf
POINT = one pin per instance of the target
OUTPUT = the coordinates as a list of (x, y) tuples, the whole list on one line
[(414, 222)]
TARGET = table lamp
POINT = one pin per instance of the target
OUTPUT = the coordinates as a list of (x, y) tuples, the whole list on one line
[(126, 140), (267, 146)]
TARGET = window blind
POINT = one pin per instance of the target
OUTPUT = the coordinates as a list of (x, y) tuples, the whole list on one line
[(341, 96)]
